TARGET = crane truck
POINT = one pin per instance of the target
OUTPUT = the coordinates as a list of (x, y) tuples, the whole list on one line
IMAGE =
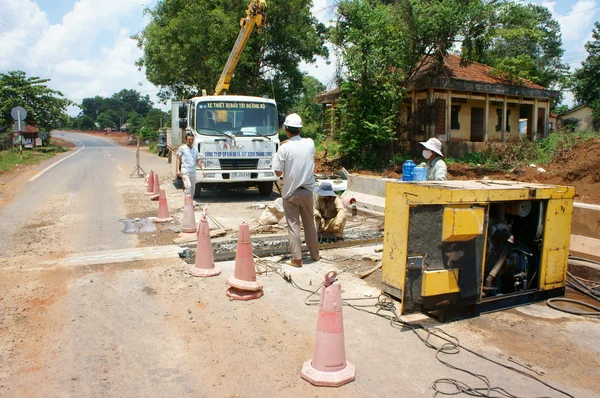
[(236, 135)]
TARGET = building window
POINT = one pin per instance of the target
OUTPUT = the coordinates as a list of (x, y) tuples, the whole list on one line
[(499, 125), (454, 124)]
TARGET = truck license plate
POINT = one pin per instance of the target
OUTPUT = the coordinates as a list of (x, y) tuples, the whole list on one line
[(240, 176)]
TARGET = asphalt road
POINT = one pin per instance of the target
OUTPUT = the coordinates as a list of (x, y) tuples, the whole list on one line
[(80, 187)]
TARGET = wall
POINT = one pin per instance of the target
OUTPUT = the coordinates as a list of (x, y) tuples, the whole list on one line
[(584, 115)]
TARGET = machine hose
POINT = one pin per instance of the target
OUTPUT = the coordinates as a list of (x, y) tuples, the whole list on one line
[(551, 304)]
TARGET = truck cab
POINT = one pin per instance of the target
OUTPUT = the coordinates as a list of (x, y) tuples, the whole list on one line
[(237, 137)]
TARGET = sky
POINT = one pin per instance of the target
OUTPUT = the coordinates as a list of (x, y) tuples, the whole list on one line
[(85, 46)]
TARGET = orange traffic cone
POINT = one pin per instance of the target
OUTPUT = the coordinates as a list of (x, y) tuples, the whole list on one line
[(244, 285), (205, 264), (156, 188), (189, 220), (150, 189), (163, 208), (328, 366)]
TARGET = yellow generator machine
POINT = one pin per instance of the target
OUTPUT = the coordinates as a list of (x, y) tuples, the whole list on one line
[(460, 248)]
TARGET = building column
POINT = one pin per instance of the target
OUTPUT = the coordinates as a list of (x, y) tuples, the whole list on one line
[(486, 117), (547, 119), (504, 120), (449, 116), (535, 120), (431, 99)]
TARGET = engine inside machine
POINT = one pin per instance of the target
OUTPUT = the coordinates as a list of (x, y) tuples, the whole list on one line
[(513, 247)]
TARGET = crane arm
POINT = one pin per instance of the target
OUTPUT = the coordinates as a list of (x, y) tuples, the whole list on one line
[(255, 15)]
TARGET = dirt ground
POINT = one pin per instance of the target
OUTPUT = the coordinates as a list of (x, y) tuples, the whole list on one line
[(147, 328), (579, 168)]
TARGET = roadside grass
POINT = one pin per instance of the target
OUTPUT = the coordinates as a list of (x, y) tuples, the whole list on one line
[(521, 151), (152, 147), (10, 158)]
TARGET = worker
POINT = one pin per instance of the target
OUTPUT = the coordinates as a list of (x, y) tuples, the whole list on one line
[(295, 161), (187, 158), (330, 214), (436, 167)]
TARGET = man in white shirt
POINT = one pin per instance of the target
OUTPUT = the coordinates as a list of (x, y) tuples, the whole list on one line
[(295, 161), (187, 158)]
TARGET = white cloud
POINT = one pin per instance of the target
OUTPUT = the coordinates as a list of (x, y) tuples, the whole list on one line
[(576, 23), (68, 52)]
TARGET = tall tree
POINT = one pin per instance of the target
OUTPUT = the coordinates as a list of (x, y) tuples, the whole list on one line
[(586, 88), (586, 79), (186, 45), (524, 42), (46, 108), (383, 44), (306, 106)]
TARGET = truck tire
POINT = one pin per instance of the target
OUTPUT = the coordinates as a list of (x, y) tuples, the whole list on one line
[(198, 191), (265, 188)]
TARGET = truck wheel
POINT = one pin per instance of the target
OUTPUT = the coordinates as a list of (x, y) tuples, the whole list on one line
[(265, 188), (198, 191)]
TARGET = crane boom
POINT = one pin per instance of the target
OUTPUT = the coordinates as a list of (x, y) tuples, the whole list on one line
[(255, 15)]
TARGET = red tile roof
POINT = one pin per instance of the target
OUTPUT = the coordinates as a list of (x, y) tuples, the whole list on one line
[(30, 129), (474, 72)]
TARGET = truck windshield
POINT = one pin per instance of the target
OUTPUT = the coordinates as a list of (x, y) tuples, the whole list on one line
[(237, 118)]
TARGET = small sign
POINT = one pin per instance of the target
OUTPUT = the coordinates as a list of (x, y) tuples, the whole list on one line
[(18, 113)]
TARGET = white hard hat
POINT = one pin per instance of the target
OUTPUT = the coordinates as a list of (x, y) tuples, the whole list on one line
[(293, 120), (433, 144)]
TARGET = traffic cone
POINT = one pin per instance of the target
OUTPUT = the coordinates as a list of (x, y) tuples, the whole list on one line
[(205, 264), (156, 188), (189, 220), (244, 285), (328, 366), (150, 189), (163, 208)]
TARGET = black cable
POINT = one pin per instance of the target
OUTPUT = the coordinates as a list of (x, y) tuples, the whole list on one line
[(572, 311), (584, 260)]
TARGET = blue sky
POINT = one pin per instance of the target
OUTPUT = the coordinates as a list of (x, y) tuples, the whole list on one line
[(84, 46)]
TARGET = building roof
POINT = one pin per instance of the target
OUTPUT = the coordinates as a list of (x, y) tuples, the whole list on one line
[(575, 108), (472, 72), (474, 77), (30, 129)]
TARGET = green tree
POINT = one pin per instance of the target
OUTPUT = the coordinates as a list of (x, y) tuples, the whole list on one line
[(46, 108), (382, 45), (586, 87), (524, 42), (307, 108), (105, 120), (86, 123), (155, 119), (187, 43), (134, 122)]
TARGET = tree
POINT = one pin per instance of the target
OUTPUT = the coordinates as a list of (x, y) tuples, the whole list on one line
[(586, 87), (155, 119), (307, 108), (86, 123), (186, 45), (524, 42), (382, 45), (105, 120), (46, 108), (134, 122)]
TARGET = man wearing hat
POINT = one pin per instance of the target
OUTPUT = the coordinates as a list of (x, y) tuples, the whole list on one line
[(295, 161), (436, 167), (330, 214)]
